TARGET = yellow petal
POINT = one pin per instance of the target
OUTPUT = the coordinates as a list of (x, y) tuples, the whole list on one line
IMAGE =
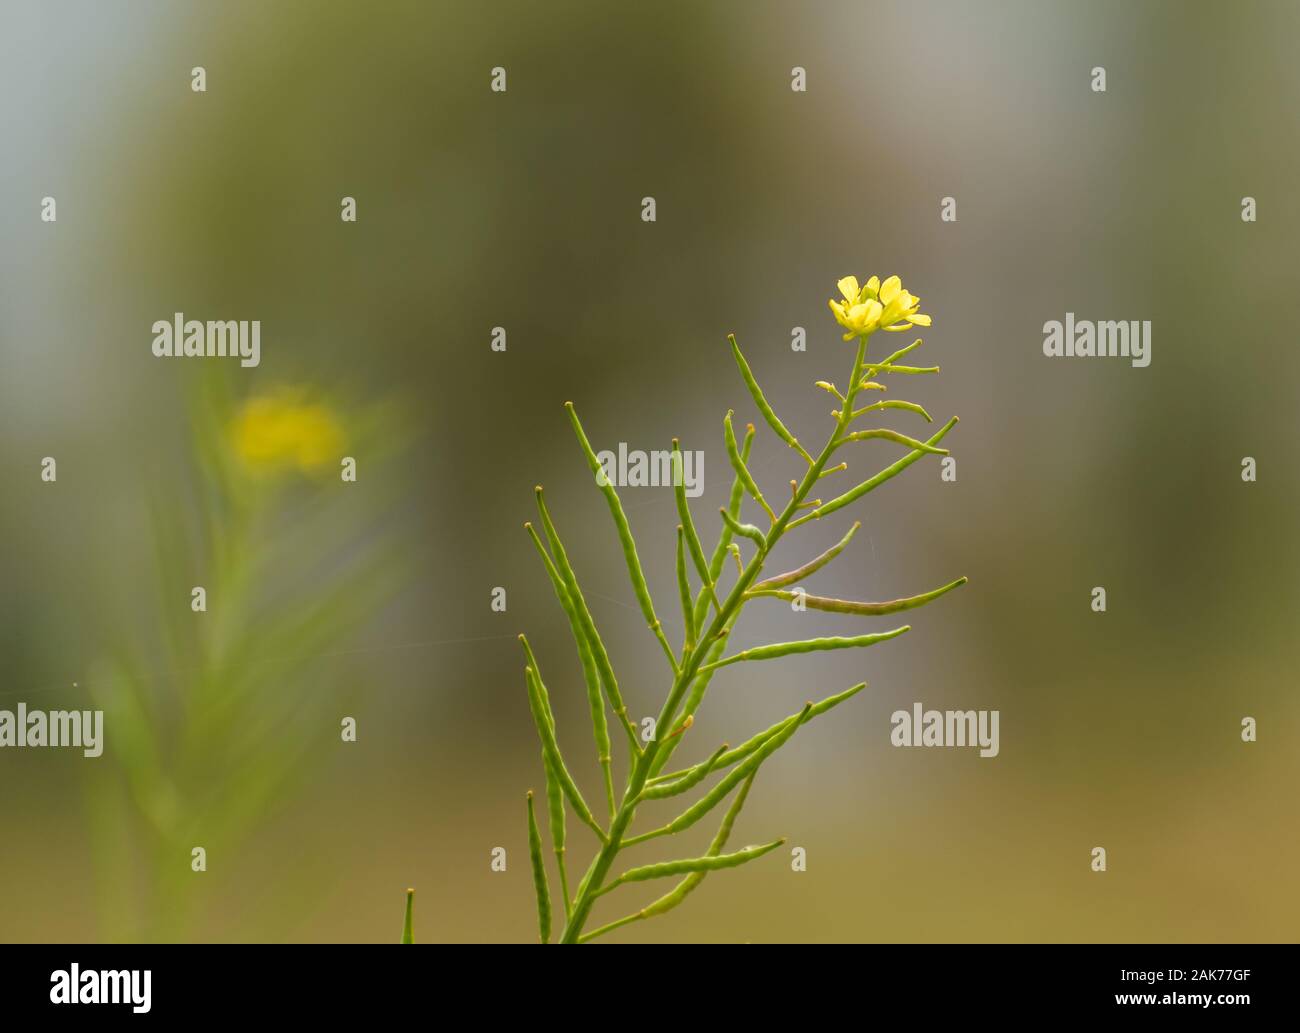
[(920, 320), (871, 317), (849, 288), (890, 289)]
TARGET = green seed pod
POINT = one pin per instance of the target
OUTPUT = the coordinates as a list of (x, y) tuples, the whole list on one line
[(580, 610), (552, 748), (684, 590), (885, 434), (692, 777), (894, 403), (760, 400), (557, 821), (742, 471), (811, 567), (688, 527), (816, 602), (812, 645), (625, 537), (886, 367), (590, 675), (706, 863), (408, 924), (539, 874)]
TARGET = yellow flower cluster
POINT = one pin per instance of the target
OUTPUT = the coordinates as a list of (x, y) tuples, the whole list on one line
[(876, 306), (279, 431)]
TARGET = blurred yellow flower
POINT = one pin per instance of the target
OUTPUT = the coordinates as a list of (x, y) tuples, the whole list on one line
[(283, 430), (875, 305)]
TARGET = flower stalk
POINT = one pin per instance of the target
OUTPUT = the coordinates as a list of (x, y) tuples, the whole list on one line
[(707, 621)]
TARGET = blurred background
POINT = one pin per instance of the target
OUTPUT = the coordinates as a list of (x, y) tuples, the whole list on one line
[(522, 210)]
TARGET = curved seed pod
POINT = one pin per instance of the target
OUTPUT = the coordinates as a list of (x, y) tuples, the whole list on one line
[(595, 701), (707, 863), (754, 742), (408, 924), (737, 774), (742, 471), (812, 645), (539, 874), (692, 777), (684, 589), (688, 526), (811, 567), (748, 530), (894, 403), (552, 748), (624, 536), (760, 400), (815, 602), (871, 484), (580, 610), (887, 367), (679, 892), (885, 434)]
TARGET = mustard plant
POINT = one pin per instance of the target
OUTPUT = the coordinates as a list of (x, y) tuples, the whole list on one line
[(708, 616)]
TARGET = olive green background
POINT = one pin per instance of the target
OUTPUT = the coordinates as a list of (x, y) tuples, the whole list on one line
[(522, 210)]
